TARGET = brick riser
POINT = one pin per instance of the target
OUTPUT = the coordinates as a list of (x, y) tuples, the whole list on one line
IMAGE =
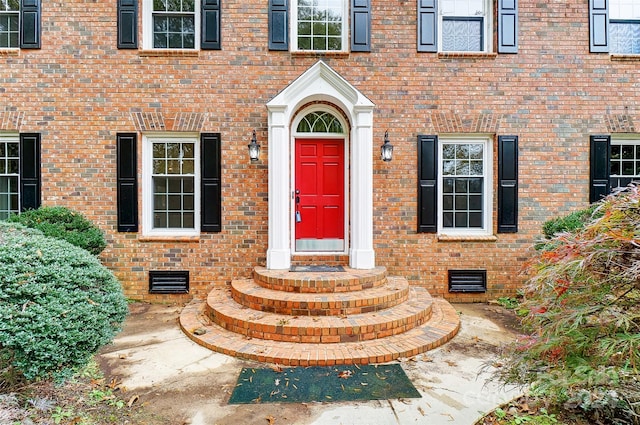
[(247, 293), (314, 329), (302, 318), (325, 260), (318, 282), (442, 326)]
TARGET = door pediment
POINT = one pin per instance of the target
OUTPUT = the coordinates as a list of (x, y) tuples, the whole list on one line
[(320, 82)]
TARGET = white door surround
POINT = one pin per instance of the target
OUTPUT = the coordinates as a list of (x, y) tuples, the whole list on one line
[(320, 83)]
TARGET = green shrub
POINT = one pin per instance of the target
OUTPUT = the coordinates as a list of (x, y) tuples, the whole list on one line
[(583, 296), (569, 223), (58, 304), (62, 223)]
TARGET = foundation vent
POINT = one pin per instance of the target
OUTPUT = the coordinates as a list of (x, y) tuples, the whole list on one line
[(467, 281), (168, 282)]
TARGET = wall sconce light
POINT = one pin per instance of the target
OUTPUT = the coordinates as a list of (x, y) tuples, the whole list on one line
[(386, 150), (254, 148)]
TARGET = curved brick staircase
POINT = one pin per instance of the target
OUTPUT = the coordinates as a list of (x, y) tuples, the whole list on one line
[(320, 318)]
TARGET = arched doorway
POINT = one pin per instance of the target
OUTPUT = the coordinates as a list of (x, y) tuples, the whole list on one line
[(320, 146), (321, 85)]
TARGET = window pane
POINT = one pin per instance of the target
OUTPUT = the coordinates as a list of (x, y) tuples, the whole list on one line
[(187, 185), (615, 168), (159, 166), (627, 152), (475, 202), (475, 185), (447, 202), (447, 185), (461, 202), (448, 151), (13, 150), (462, 168), (461, 35), (461, 219), (188, 202), (13, 166), (160, 5), (188, 220), (175, 202), (625, 37), (462, 151), (475, 219), (159, 202), (449, 168), (160, 220), (627, 168), (175, 185), (615, 151), (174, 219), (447, 219), (461, 185)]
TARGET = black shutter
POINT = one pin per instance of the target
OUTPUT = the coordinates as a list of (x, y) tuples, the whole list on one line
[(361, 26), (127, 24), (29, 171), (427, 184), (127, 182), (599, 26), (211, 191), (507, 184), (278, 25), (210, 31), (427, 25), (30, 27), (507, 26), (599, 163)]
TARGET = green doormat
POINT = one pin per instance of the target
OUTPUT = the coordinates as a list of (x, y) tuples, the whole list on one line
[(335, 383)]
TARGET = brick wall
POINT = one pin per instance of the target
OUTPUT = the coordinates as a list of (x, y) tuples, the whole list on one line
[(79, 90)]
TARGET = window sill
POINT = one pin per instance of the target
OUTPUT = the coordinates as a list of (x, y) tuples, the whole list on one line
[(9, 52), (624, 57), (467, 55), (315, 54), (467, 238), (169, 238), (165, 53)]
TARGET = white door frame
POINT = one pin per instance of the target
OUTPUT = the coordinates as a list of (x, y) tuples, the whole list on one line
[(321, 83)]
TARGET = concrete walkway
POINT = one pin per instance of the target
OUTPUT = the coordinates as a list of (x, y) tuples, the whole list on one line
[(184, 383)]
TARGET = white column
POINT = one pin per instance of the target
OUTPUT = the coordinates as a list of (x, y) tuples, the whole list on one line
[(279, 250), (361, 255)]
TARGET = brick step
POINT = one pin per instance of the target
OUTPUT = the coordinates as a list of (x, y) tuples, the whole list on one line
[(320, 282), (247, 293), (228, 314), (327, 260), (441, 327)]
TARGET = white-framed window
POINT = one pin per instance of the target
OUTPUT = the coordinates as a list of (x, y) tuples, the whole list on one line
[(171, 24), (320, 25), (465, 185), (9, 175), (9, 24), (624, 161), (465, 25), (171, 189), (624, 26)]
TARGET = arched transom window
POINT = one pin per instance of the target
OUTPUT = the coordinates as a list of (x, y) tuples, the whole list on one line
[(320, 122)]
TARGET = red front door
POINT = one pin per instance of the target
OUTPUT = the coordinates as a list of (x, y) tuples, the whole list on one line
[(319, 199)]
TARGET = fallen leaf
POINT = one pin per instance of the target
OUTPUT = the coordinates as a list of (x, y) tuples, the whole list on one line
[(271, 420), (277, 382), (133, 400), (421, 410), (345, 374), (276, 367)]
